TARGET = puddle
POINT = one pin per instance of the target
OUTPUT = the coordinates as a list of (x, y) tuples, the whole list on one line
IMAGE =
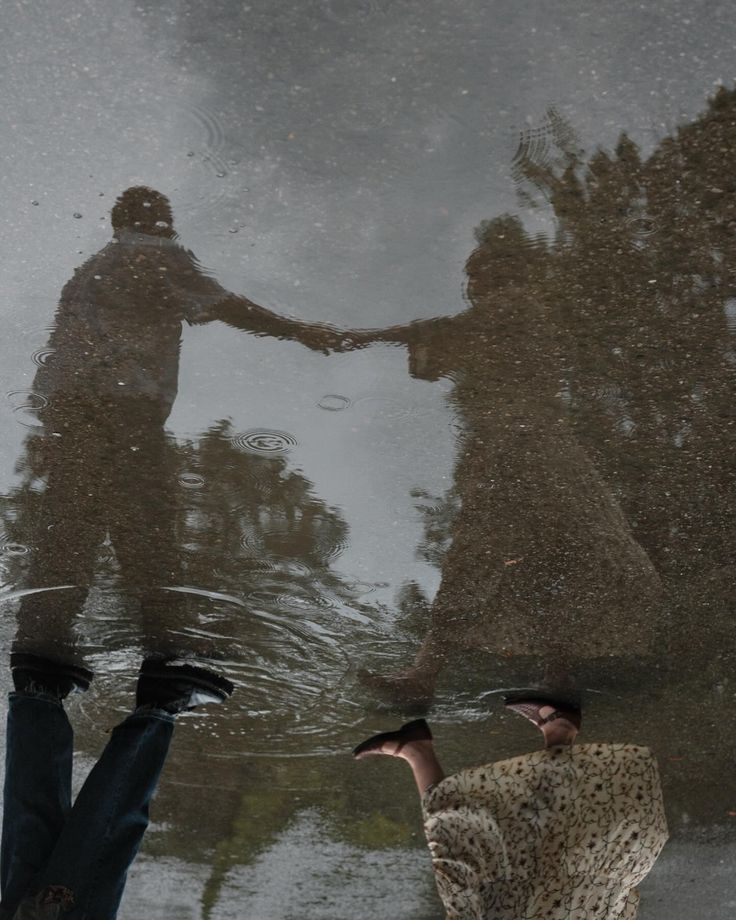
[(353, 356)]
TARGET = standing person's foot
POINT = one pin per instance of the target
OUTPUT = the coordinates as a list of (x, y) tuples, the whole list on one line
[(35, 675), (558, 721), (391, 744), (178, 687)]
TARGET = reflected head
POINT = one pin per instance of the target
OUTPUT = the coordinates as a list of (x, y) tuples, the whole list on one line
[(503, 256), (143, 210)]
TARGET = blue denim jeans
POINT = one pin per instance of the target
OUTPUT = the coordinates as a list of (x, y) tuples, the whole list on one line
[(86, 847)]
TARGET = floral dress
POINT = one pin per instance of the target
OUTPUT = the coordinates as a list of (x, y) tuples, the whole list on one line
[(565, 833)]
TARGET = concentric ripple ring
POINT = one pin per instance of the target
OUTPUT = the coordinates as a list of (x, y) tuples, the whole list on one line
[(265, 442)]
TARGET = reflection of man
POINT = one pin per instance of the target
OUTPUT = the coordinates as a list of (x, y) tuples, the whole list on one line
[(58, 858), (110, 383)]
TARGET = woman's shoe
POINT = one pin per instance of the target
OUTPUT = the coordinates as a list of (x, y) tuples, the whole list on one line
[(418, 730), (530, 707)]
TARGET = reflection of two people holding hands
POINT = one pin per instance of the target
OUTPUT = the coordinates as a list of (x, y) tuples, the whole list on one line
[(565, 832)]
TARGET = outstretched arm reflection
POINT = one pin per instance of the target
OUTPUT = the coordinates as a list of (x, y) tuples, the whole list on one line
[(243, 314), (564, 833), (156, 267)]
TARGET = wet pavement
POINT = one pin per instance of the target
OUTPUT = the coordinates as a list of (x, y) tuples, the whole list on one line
[(431, 397)]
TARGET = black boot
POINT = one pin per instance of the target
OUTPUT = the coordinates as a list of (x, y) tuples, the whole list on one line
[(165, 684), (35, 675)]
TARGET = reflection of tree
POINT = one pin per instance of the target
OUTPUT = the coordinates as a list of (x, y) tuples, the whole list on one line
[(438, 515), (252, 528), (641, 272), (241, 521), (253, 519)]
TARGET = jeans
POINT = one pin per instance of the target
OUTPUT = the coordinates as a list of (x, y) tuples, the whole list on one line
[(86, 847)]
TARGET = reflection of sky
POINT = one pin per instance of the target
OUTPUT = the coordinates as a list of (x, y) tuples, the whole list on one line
[(365, 459), (317, 865), (361, 142)]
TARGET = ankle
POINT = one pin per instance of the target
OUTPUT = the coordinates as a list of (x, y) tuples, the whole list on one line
[(417, 751), (559, 733)]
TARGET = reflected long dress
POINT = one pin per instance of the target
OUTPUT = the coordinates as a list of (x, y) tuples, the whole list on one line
[(565, 833), (542, 560)]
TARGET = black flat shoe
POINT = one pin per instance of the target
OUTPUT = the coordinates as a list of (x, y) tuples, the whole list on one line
[(418, 730)]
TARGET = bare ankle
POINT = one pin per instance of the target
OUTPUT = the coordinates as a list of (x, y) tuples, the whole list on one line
[(415, 751), (559, 733)]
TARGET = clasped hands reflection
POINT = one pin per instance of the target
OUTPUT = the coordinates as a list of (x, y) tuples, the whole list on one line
[(330, 340)]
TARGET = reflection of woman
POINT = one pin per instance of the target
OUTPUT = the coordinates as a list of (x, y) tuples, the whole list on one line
[(542, 560), (565, 832)]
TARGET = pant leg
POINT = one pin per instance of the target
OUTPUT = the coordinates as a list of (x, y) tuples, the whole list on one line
[(106, 825), (143, 524), (38, 780), (68, 528)]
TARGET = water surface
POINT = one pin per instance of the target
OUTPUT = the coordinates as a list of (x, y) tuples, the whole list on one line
[(516, 464)]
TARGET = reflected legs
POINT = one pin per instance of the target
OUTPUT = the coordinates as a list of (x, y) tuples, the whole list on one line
[(416, 685)]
